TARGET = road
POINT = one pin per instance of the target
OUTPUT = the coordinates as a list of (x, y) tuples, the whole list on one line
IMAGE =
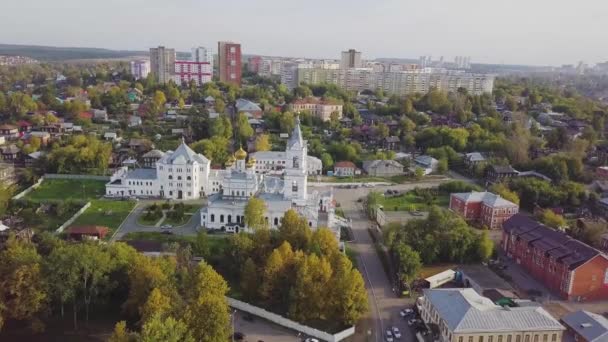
[(384, 304), (130, 224)]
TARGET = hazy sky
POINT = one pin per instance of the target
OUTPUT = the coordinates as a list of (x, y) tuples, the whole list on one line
[(541, 32)]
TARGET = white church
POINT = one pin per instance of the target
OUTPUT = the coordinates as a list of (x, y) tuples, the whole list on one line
[(184, 174)]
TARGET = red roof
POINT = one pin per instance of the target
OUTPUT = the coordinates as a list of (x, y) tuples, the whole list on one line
[(8, 127), (23, 123), (86, 115), (100, 231), (347, 164)]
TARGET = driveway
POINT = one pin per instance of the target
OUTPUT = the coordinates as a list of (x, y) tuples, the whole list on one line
[(130, 224), (384, 304)]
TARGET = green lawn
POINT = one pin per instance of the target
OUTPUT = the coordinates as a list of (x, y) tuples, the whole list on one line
[(177, 223), (67, 189), (105, 213), (409, 201), (144, 222)]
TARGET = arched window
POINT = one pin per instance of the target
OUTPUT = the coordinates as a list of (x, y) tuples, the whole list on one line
[(296, 162), (294, 186), (276, 221), (188, 178), (170, 177), (212, 218), (229, 218), (221, 218)]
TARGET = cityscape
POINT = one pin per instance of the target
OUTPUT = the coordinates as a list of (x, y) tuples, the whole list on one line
[(218, 194)]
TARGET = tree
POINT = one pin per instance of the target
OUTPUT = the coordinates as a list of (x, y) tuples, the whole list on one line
[(327, 161), (324, 241), (287, 122), (255, 213), (200, 246), (418, 173), (442, 166), (6, 193), (144, 275), (158, 102), (156, 305), (245, 130), (504, 192), (553, 220), (309, 299), (348, 298), (121, 334), (250, 280), (22, 288), (295, 230), (262, 142), (485, 246), (220, 105), (409, 263), (167, 329), (221, 127), (206, 314)]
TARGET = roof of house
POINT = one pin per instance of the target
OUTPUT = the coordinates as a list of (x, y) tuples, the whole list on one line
[(486, 198), (347, 164), (10, 149), (183, 155), (592, 327), (557, 244), (503, 169), (392, 139), (149, 174), (243, 105), (372, 164), (89, 230), (154, 154), (465, 311), (426, 160), (475, 156), (7, 127)]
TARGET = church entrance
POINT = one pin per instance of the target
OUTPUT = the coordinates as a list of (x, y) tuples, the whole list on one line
[(180, 194)]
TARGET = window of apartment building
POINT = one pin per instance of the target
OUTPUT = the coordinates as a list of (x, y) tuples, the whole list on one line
[(527, 338), (517, 338), (554, 338), (460, 339), (470, 338), (546, 338), (491, 339)]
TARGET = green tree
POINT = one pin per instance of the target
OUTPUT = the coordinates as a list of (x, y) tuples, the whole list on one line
[(553, 220), (200, 247), (504, 192), (287, 122), (327, 161), (122, 334), (309, 300), (409, 262), (255, 213), (250, 280), (348, 297), (485, 246), (295, 230), (157, 305), (442, 167), (262, 142), (221, 127), (6, 193), (220, 105), (245, 130), (168, 329)]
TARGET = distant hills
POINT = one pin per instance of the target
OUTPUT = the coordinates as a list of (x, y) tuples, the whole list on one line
[(53, 53)]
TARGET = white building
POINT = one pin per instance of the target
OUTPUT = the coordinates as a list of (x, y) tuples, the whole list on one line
[(162, 63), (140, 69), (273, 162), (240, 182)]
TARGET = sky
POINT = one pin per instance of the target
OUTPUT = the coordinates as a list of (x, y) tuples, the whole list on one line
[(533, 32)]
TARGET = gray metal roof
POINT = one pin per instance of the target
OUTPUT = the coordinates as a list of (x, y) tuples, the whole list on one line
[(465, 311), (142, 174), (183, 155), (296, 140), (593, 327)]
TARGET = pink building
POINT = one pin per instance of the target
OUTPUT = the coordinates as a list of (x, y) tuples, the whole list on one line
[(485, 208), (199, 72)]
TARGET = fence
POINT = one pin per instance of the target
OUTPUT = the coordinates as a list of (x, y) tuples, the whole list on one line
[(28, 190), (68, 176), (73, 218), (287, 323)]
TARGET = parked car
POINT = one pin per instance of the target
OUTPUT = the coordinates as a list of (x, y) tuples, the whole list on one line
[(388, 336), (167, 232), (166, 226), (413, 321), (396, 333), (238, 336), (406, 313), (310, 339)]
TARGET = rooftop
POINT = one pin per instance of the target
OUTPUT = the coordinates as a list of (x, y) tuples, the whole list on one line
[(149, 174), (465, 311), (485, 197), (592, 327)]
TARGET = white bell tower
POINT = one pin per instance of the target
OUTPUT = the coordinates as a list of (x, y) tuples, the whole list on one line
[(295, 175)]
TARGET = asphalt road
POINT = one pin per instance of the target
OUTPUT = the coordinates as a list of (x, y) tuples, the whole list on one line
[(384, 303)]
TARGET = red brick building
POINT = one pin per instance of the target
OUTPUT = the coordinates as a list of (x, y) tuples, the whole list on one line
[(568, 267), (484, 208), (229, 62)]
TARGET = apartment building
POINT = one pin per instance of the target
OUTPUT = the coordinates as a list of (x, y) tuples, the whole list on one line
[(320, 108), (568, 267), (229, 63), (462, 315), (351, 59), (199, 69), (140, 69), (162, 63), (485, 208)]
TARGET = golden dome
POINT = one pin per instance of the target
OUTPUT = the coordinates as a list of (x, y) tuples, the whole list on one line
[(251, 162), (230, 161), (240, 154)]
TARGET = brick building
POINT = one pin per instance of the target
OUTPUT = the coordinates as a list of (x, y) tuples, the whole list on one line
[(229, 63), (568, 267), (322, 109), (485, 208)]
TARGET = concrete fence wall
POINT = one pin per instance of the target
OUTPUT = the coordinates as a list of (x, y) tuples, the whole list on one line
[(28, 190), (287, 323), (68, 176), (73, 218)]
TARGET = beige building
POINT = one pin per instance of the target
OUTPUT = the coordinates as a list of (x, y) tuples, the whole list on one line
[(318, 107), (462, 315), (162, 63), (383, 168)]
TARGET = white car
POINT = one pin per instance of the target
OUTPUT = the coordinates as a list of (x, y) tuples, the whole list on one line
[(389, 335), (310, 339), (396, 333), (406, 312)]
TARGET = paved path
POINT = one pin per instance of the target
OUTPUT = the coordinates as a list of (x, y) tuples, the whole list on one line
[(384, 304)]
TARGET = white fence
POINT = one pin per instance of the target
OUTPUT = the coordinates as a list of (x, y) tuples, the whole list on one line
[(287, 323), (73, 218), (28, 190)]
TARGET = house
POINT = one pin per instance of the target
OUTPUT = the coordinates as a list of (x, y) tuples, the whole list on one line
[(43, 136), (9, 131), (345, 169), (134, 121), (210, 100), (473, 159), (31, 159), (7, 173), (100, 115), (87, 232), (485, 208), (9, 153), (111, 136), (250, 109), (568, 267), (392, 143), (601, 172), (150, 158), (426, 163), (2, 140), (86, 115), (586, 326), (383, 168), (140, 145), (463, 315), (24, 126), (320, 108), (499, 173)]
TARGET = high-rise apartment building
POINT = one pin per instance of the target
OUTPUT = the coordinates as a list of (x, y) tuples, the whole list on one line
[(162, 63), (351, 59), (199, 69), (140, 69), (229, 55), (201, 54)]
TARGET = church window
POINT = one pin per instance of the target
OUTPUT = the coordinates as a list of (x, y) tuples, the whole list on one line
[(188, 178), (294, 186), (170, 177), (170, 193), (276, 221), (170, 170), (221, 218), (296, 162), (229, 218), (189, 193), (179, 177), (160, 168), (212, 218)]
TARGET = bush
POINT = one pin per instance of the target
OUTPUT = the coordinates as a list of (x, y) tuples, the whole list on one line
[(458, 186)]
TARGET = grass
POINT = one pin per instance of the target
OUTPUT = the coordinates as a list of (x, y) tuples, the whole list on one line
[(409, 201), (142, 220), (67, 189), (105, 213), (176, 223)]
